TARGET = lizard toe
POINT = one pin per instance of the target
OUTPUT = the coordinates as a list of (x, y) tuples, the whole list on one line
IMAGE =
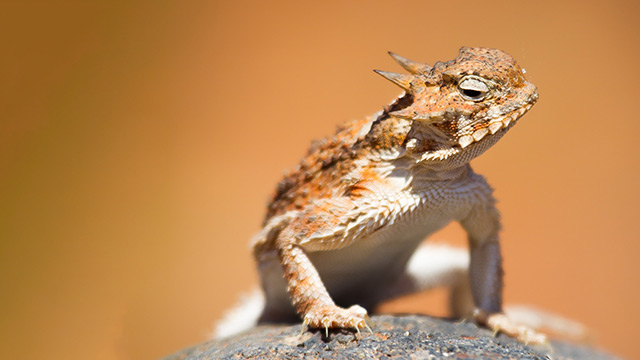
[(334, 317)]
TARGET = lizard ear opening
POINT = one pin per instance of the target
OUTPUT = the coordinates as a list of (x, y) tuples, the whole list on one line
[(410, 65)]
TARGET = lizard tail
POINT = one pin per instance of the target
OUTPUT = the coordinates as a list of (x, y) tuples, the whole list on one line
[(243, 316)]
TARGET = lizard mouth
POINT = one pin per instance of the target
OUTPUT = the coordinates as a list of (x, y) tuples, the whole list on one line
[(493, 127)]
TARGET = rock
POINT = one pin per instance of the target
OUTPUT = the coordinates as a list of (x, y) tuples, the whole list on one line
[(393, 337)]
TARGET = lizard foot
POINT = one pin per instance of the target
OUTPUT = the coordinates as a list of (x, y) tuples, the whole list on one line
[(331, 316), (500, 322)]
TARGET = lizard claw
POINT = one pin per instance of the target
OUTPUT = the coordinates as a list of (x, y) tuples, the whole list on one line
[(331, 316), (368, 323)]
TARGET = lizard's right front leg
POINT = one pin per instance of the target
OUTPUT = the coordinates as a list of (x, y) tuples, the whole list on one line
[(308, 293)]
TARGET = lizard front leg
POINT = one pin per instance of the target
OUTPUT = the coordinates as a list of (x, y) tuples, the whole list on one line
[(485, 270), (308, 293)]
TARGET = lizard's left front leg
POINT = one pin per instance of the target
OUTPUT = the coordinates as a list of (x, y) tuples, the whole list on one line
[(482, 225)]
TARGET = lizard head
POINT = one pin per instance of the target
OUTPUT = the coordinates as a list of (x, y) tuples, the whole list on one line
[(463, 104)]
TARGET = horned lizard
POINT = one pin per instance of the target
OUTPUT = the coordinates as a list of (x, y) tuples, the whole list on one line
[(343, 226)]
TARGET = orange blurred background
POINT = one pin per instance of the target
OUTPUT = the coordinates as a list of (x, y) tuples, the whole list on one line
[(139, 142)]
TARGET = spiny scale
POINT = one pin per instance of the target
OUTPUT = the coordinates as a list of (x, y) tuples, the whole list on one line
[(410, 65), (402, 80)]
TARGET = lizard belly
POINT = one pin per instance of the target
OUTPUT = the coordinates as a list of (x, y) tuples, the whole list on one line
[(363, 270)]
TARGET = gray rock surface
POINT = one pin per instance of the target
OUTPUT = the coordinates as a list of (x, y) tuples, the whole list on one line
[(393, 337)]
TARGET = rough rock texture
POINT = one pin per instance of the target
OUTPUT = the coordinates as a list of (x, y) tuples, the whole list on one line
[(393, 337)]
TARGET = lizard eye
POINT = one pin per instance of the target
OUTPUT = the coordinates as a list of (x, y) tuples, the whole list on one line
[(473, 88)]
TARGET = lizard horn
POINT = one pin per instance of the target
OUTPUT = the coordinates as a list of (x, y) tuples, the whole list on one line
[(410, 65), (402, 80)]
